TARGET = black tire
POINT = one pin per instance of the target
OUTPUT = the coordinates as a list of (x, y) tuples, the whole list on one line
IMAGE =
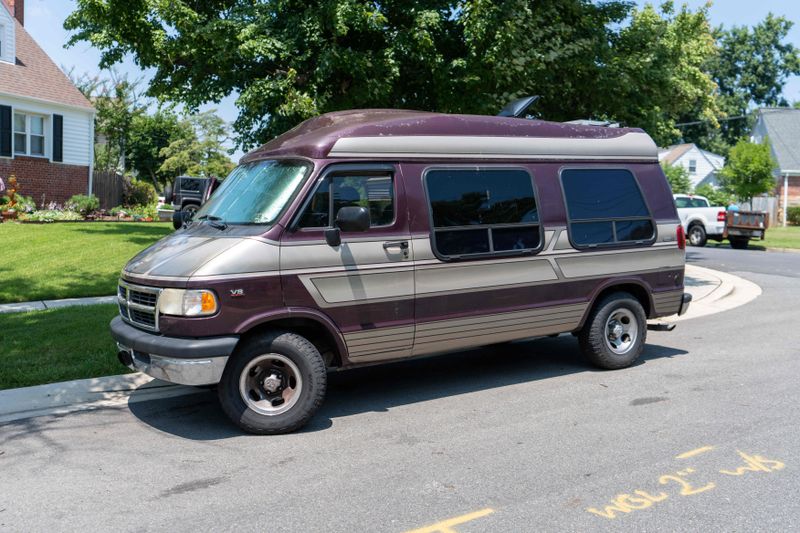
[(594, 338), (177, 219), (739, 243), (697, 235), (189, 210), (312, 383)]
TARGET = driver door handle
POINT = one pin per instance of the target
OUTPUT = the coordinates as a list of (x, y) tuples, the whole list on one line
[(403, 245)]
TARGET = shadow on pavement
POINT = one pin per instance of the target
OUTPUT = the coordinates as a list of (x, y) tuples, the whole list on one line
[(379, 388)]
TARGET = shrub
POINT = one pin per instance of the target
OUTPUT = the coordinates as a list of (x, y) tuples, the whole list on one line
[(793, 215), (25, 204), (51, 216), (139, 212), (82, 204), (118, 211), (135, 192)]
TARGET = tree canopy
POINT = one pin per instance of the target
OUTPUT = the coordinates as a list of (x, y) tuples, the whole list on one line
[(678, 178), (748, 170), (289, 60)]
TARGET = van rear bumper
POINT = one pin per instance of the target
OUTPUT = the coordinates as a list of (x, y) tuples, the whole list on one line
[(187, 361)]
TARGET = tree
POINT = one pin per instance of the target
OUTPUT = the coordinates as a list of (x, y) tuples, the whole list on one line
[(678, 178), (199, 151), (149, 135), (716, 196), (748, 170), (297, 59), (750, 69)]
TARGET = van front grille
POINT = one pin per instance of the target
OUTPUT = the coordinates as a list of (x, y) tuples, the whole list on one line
[(138, 305)]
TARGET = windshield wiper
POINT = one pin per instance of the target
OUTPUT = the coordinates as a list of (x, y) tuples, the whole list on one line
[(214, 222)]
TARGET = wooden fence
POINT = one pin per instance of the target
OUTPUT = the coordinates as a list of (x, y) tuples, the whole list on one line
[(108, 189)]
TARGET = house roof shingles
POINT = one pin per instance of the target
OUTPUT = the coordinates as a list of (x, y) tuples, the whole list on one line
[(675, 151), (783, 129), (36, 76)]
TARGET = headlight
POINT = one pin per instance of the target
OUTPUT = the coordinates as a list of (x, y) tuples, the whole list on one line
[(182, 302)]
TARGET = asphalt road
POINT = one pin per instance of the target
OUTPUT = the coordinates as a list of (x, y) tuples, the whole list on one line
[(701, 435)]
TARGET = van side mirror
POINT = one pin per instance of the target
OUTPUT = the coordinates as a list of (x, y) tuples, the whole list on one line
[(352, 219)]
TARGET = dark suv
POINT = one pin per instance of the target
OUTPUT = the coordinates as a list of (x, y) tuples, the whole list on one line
[(186, 194)]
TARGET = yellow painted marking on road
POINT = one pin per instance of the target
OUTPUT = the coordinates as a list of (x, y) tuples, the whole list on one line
[(446, 526), (696, 451)]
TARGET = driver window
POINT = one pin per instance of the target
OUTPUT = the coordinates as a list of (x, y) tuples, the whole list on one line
[(376, 193)]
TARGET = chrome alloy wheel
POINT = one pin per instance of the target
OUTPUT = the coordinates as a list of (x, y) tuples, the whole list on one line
[(270, 384), (622, 330)]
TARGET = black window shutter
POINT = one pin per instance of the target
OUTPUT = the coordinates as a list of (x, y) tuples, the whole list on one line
[(5, 130), (58, 138)]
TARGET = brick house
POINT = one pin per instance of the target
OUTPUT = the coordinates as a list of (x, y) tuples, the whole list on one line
[(46, 124)]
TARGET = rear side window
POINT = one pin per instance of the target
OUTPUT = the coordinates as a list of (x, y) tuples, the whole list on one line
[(376, 193), (191, 185), (680, 203), (482, 211), (605, 207)]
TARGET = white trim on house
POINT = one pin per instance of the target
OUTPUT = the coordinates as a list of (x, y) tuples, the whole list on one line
[(78, 137)]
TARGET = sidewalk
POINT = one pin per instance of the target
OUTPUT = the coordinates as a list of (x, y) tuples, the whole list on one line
[(43, 305), (712, 292)]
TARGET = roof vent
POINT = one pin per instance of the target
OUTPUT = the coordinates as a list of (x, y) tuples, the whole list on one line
[(518, 108)]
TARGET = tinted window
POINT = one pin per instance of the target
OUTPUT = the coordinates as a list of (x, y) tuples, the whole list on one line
[(191, 185), (482, 211), (680, 203), (376, 193), (605, 206), (697, 202), (602, 193)]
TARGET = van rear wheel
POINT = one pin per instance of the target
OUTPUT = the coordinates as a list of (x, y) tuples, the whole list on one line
[(615, 332), (273, 383)]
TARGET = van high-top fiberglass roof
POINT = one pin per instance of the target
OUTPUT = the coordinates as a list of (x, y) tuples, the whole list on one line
[(398, 134)]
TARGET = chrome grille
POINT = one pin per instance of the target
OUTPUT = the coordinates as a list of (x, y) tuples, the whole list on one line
[(138, 305)]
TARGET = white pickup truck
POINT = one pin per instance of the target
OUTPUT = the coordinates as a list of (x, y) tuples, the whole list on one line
[(702, 221)]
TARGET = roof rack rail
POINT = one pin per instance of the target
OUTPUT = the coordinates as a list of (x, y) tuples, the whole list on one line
[(590, 122)]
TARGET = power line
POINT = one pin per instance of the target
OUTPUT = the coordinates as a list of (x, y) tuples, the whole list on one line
[(696, 122)]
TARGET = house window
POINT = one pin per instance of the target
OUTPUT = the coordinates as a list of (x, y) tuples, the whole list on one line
[(692, 166), (28, 134), (605, 207), (490, 211)]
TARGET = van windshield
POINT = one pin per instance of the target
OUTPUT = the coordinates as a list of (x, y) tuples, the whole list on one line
[(255, 193)]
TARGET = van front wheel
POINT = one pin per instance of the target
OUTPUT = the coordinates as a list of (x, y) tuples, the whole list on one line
[(615, 332), (273, 383)]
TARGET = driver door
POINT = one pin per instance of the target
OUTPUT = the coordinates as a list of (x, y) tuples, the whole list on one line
[(366, 284)]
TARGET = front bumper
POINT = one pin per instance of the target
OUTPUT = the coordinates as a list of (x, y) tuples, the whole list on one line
[(685, 301), (188, 361)]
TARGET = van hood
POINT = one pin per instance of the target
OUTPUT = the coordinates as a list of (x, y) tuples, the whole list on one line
[(182, 256)]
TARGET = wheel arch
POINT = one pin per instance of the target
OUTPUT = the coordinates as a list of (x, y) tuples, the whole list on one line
[(635, 287), (318, 328)]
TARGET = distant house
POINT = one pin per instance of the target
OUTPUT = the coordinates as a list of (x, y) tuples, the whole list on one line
[(781, 126), (701, 165), (46, 124)]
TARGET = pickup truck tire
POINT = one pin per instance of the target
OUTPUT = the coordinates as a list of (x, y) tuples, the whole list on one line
[(273, 383), (697, 235), (739, 243), (614, 334)]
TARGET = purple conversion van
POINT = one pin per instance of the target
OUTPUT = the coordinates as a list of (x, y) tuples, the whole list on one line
[(377, 235)]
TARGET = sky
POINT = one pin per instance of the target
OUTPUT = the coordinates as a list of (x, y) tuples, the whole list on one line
[(44, 20)]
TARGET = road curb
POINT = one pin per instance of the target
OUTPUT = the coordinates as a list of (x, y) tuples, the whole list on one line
[(44, 305), (713, 292)]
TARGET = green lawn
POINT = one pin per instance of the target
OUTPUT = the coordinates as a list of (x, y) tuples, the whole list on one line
[(778, 237), (50, 261), (788, 237), (57, 345)]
